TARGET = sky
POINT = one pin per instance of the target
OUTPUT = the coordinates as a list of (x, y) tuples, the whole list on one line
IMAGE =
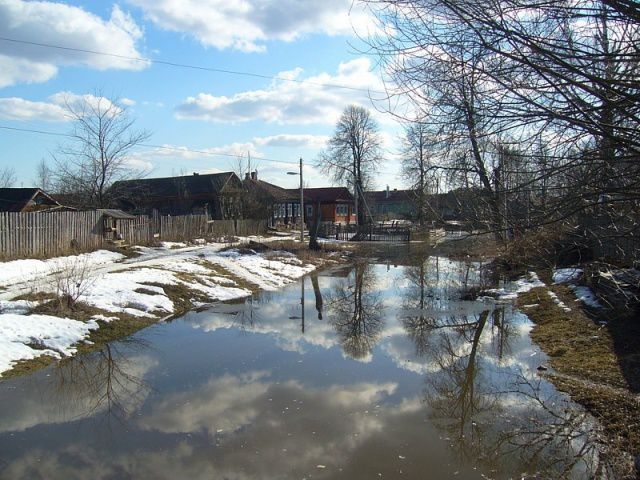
[(310, 46)]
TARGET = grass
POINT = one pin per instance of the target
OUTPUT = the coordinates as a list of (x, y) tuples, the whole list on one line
[(591, 367)]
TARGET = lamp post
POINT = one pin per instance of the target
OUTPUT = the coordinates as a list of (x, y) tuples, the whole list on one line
[(301, 211)]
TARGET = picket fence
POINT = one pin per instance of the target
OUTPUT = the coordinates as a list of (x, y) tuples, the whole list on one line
[(42, 235)]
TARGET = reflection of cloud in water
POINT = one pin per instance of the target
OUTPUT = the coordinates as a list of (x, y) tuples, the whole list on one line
[(230, 402), (275, 430), (471, 364)]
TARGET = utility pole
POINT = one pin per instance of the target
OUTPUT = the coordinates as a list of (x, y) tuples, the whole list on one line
[(301, 213), (357, 195)]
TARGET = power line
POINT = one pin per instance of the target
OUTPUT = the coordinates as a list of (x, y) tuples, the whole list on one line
[(147, 145), (189, 66)]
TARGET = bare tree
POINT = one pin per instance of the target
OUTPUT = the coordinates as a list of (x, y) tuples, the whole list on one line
[(502, 76), (7, 177), (102, 139), (354, 152), (44, 175), (417, 168)]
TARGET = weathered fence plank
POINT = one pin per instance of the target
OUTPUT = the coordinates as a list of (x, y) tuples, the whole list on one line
[(47, 234)]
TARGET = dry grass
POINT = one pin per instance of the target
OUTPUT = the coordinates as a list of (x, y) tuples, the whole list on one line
[(591, 368)]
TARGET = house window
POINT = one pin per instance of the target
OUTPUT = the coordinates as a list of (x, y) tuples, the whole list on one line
[(341, 210), (309, 210)]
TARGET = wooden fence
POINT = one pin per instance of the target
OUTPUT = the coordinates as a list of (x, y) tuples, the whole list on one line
[(183, 227), (241, 228), (49, 234), (41, 235)]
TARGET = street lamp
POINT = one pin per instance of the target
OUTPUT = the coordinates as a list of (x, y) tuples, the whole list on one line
[(301, 211)]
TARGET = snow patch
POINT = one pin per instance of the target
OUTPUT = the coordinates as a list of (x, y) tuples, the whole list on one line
[(52, 335), (566, 275), (522, 285), (586, 296), (557, 301), (16, 271)]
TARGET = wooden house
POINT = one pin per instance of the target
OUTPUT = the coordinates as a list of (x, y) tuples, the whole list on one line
[(264, 200), (27, 200), (217, 195), (336, 204), (391, 204)]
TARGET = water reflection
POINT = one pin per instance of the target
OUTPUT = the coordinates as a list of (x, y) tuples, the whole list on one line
[(444, 387), (357, 311), (103, 386)]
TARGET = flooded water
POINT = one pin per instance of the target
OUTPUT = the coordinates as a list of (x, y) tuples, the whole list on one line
[(361, 372)]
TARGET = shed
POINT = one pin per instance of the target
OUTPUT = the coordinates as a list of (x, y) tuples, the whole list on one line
[(114, 224)]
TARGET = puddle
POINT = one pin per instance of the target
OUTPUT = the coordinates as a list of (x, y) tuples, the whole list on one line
[(366, 371)]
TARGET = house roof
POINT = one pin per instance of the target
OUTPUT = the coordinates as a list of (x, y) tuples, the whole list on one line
[(191, 185), (325, 194), (117, 214), (391, 196), (17, 199), (269, 190)]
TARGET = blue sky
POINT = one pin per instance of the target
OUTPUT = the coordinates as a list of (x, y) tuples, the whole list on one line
[(313, 41)]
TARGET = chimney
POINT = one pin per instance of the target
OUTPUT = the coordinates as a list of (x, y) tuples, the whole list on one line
[(247, 176), (196, 173), (387, 195), (254, 175)]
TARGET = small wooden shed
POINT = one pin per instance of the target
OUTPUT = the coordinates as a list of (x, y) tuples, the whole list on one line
[(114, 224)]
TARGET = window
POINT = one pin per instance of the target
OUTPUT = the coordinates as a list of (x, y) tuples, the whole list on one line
[(342, 210), (309, 209)]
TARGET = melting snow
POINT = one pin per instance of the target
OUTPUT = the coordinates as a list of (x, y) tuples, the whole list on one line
[(50, 335), (565, 275), (586, 296), (121, 286)]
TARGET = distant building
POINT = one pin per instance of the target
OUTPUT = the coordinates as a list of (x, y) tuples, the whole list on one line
[(391, 204), (264, 200), (27, 200), (336, 204), (217, 195)]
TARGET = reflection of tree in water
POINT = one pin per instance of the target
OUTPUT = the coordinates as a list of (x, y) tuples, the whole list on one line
[(433, 287), (415, 299), (514, 428), (356, 312), (105, 381)]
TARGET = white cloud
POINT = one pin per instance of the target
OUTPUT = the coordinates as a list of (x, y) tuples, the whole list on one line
[(288, 140), (249, 24), (53, 110), (286, 102), (14, 108), (64, 25)]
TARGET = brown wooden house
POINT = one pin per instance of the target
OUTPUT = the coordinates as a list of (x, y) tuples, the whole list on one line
[(27, 200), (264, 200), (217, 195), (336, 204)]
